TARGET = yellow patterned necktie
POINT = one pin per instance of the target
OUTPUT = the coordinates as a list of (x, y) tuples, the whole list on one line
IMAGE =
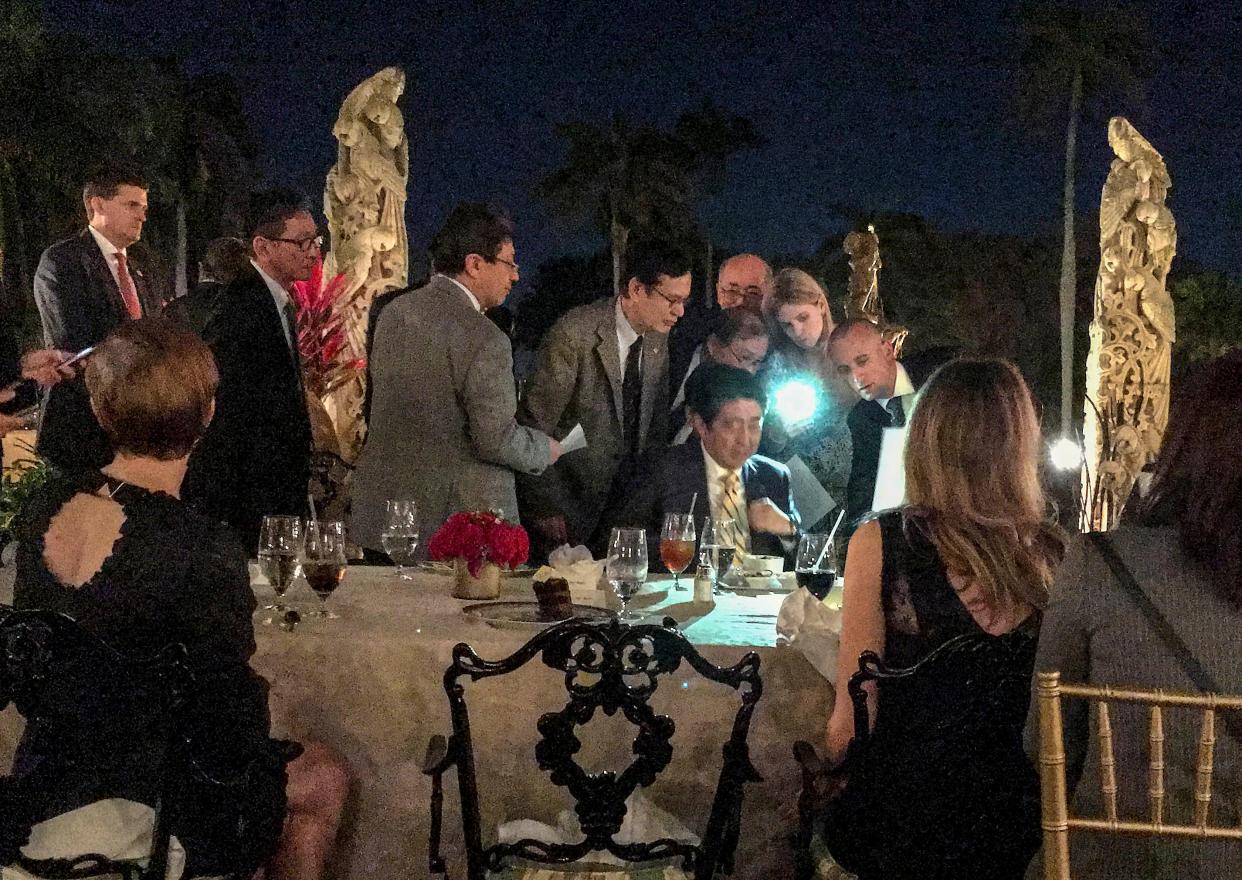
[(731, 505)]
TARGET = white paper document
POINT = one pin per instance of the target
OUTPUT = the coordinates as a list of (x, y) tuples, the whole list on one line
[(811, 498), (574, 440), (890, 475)]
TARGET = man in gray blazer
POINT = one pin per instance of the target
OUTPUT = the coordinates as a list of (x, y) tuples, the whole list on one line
[(442, 428), (603, 366)]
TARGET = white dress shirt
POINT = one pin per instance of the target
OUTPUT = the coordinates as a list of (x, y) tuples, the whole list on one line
[(626, 337), (466, 290), (903, 389), (281, 297), (715, 495), (109, 252)]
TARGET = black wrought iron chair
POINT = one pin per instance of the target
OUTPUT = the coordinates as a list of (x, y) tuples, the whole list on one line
[(40, 650), (940, 787), (613, 667)]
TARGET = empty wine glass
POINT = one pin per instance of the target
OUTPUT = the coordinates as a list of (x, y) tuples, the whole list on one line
[(280, 542), (627, 566), (400, 535), (323, 561), (677, 544)]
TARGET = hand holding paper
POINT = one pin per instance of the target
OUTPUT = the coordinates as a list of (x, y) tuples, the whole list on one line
[(574, 440)]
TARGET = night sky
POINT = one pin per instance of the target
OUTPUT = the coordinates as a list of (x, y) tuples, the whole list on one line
[(897, 108)]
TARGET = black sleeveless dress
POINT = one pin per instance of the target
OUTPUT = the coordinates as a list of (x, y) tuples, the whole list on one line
[(172, 576)]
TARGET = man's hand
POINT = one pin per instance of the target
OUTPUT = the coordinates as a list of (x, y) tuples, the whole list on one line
[(552, 528), (10, 423), (765, 516), (554, 452), (44, 366)]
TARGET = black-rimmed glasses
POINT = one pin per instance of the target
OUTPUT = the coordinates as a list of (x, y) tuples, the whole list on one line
[(302, 244)]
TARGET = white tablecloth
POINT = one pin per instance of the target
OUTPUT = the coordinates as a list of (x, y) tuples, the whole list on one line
[(370, 685)]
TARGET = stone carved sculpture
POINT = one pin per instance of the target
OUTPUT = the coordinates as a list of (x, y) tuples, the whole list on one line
[(1132, 330), (863, 249), (364, 201)]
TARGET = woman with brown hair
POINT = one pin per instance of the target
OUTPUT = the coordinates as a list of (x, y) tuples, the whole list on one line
[(1182, 546), (119, 552), (972, 553)]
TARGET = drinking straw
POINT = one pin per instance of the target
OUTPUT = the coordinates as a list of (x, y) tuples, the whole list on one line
[(692, 502), (828, 540), (314, 516)]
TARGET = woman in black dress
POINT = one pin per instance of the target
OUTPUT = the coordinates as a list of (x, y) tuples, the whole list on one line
[(120, 552)]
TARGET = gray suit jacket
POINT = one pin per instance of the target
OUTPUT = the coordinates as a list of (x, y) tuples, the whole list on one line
[(442, 415), (578, 379)]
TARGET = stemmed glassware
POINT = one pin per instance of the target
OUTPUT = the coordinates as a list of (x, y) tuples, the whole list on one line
[(717, 544), (400, 535), (677, 544), (323, 560), (627, 566), (280, 544), (816, 565)]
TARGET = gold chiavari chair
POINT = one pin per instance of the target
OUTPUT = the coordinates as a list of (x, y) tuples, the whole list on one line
[(1057, 823)]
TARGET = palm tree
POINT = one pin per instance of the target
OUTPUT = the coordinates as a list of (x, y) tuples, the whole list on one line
[(623, 176), (1077, 60)]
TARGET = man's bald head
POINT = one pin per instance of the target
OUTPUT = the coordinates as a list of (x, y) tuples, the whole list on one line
[(859, 350), (744, 280)]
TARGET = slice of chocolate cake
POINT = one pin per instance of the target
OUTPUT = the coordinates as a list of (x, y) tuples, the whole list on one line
[(555, 603)]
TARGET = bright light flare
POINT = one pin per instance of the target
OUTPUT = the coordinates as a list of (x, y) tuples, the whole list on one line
[(795, 401), (1066, 455)]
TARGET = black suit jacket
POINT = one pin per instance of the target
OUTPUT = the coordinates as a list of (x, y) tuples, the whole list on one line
[(867, 421), (254, 458), (667, 480), (79, 304)]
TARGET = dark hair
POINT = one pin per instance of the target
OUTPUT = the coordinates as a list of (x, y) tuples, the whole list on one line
[(711, 386), (105, 180), (648, 259), (224, 259), (849, 325), (471, 228), (268, 211), (1197, 482), (731, 324), (151, 383)]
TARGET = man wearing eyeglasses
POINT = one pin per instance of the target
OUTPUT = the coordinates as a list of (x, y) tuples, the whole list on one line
[(739, 338), (603, 366), (254, 458)]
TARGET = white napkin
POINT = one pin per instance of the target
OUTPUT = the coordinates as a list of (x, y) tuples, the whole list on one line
[(809, 625), (644, 821), (576, 566)]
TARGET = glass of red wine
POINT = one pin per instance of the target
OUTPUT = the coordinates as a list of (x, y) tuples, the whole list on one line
[(816, 565), (323, 561)]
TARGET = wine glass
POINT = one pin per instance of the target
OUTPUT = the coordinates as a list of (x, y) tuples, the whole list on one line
[(677, 544), (280, 542), (323, 560), (400, 535), (717, 544), (627, 565), (816, 565)]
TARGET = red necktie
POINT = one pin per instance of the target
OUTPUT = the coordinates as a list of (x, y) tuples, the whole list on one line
[(126, 283)]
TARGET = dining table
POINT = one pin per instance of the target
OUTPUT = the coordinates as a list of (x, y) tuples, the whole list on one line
[(370, 684)]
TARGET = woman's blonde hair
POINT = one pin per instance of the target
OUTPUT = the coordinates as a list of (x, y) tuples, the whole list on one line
[(972, 480), (793, 287)]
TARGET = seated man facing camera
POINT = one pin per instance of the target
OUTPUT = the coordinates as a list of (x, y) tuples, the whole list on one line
[(726, 407)]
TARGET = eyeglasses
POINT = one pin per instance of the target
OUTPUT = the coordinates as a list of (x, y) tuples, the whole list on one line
[(735, 293), (673, 301), (512, 265), (745, 359), (302, 244)]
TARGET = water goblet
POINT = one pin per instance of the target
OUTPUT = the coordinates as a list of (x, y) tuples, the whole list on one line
[(816, 565), (323, 561), (717, 545), (280, 543), (677, 544), (627, 566), (400, 535)]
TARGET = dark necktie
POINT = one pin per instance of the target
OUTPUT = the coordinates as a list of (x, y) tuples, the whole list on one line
[(125, 281), (291, 318), (896, 414), (631, 398)]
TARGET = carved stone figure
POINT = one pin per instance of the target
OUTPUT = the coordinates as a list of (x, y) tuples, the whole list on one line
[(863, 249), (364, 201), (1132, 330)]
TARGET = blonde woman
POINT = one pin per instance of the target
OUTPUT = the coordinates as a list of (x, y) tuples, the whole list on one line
[(973, 552)]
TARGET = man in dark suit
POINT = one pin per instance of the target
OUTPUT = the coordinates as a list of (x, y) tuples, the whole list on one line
[(721, 467), (84, 287), (254, 458), (603, 366), (887, 388)]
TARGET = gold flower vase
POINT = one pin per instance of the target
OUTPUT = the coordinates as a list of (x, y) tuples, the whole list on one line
[(485, 586)]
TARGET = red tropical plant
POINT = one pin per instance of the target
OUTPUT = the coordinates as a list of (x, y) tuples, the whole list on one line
[(321, 333)]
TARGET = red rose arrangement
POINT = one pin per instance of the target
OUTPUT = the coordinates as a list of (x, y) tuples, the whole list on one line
[(478, 537)]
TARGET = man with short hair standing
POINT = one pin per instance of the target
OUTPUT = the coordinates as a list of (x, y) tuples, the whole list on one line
[(84, 287), (442, 429), (254, 458), (603, 366)]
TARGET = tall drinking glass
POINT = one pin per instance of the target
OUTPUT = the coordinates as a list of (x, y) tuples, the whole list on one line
[(323, 561), (280, 542), (717, 544), (816, 565), (677, 544), (400, 535), (627, 565)]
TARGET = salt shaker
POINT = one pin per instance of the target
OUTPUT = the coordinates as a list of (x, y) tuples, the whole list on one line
[(703, 578)]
